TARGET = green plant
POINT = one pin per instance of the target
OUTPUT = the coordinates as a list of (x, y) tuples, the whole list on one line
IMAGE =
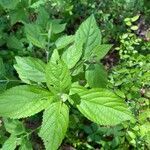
[(69, 79), (131, 79)]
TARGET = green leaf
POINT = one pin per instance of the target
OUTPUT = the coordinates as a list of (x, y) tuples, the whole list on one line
[(57, 27), (100, 51), (38, 3), (2, 68), (23, 101), (72, 55), (42, 17), (55, 56), (90, 34), (30, 69), (96, 76), (14, 127), (18, 15), (102, 106), (25, 145), (9, 4), (14, 43), (10, 144), (135, 18), (34, 35), (134, 28), (54, 126), (64, 41), (58, 76)]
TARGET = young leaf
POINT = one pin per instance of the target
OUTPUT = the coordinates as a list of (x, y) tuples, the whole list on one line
[(54, 126), (57, 26), (10, 144), (2, 68), (64, 41), (100, 51), (58, 76), (23, 101), (13, 126), (72, 55), (102, 106), (90, 34), (55, 56), (30, 68), (96, 76)]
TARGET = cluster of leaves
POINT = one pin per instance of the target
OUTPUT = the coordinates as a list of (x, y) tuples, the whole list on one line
[(55, 86), (131, 79), (59, 81)]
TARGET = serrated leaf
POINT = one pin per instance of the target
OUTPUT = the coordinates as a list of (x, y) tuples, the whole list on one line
[(10, 144), (64, 41), (58, 76), (30, 69), (34, 35), (72, 55), (96, 76), (54, 126), (90, 34), (102, 106), (23, 101)]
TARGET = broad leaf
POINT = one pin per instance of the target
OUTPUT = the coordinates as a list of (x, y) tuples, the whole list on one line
[(23, 101), (58, 76), (96, 76), (30, 69), (102, 106), (90, 34), (10, 144), (72, 55), (54, 126)]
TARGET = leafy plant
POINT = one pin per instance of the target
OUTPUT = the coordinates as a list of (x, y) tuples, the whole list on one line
[(58, 86)]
